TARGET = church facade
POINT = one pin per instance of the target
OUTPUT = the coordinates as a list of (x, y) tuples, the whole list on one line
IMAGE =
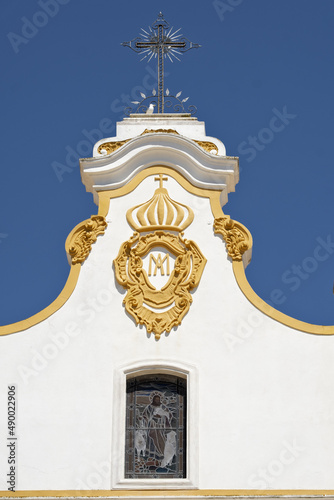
[(134, 382)]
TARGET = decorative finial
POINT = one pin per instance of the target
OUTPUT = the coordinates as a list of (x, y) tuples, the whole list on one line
[(161, 42)]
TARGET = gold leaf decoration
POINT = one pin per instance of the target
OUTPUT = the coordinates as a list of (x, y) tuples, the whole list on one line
[(84, 236), (160, 130), (208, 146), (159, 309), (236, 236), (110, 147)]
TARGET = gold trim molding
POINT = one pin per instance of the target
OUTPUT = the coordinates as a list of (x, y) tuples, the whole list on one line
[(45, 313), (79, 243), (165, 493), (237, 238), (239, 272), (238, 266)]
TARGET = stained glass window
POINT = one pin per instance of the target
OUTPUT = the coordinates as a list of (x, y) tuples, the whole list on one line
[(155, 442)]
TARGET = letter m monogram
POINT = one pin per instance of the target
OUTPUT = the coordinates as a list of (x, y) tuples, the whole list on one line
[(159, 264)]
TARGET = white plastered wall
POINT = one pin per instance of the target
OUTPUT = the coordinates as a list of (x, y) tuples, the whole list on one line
[(263, 391)]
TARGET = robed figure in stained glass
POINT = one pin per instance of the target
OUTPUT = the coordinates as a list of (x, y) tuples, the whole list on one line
[(157, 420), (156, 427)]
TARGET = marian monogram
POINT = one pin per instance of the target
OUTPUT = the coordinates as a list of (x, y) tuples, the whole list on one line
[(157, 265)]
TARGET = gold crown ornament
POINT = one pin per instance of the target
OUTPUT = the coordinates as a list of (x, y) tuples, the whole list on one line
[(160, 212)]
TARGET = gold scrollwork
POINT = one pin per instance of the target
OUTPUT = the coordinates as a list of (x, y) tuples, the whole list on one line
[(143, 301), (208, 146), (236, 236), (110, 147), (80, 242), (160, 131)]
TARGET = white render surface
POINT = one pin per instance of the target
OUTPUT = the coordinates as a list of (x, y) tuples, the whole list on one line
[(187, 126), (260, 394), (184, 124)]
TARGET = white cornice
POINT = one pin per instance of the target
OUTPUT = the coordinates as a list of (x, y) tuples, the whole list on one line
[(200, 168)]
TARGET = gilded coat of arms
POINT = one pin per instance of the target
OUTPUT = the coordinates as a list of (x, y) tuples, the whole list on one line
[(157, 266)]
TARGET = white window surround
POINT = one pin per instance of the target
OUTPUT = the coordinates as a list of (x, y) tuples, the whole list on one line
[(155, 367)]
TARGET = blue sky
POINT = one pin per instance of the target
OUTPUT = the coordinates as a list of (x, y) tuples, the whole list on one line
[(262, 81)]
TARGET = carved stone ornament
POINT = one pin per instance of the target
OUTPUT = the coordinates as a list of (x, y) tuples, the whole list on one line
[(160, 131), (110, 147), (208, 146), (236, 236), (159, 268), (84, 236)]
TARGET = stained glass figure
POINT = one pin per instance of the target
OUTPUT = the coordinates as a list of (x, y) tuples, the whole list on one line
[(155, 445)]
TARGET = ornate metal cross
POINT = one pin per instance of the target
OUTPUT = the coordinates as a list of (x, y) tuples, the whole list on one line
[(160, 43)]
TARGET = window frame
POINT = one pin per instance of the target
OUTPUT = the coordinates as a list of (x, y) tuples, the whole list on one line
[(121, 375)]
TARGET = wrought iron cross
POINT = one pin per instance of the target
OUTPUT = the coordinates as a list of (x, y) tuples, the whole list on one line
[(160, 43)]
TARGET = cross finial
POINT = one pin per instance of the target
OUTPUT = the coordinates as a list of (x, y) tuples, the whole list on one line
[(161, 42), (161, 179)]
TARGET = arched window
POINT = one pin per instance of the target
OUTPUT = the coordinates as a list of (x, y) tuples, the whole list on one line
[(155, 440)]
